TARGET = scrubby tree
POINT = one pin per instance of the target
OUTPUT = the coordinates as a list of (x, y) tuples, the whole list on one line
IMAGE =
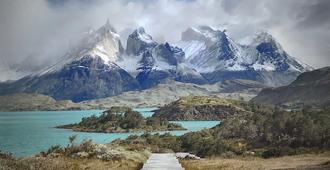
[(131, 120)]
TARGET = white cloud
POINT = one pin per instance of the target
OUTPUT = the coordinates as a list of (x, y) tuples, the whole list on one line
[(42, 31)]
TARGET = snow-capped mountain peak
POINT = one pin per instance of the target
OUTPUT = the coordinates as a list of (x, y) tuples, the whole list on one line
[(211, 51), (203, 33), (207, 32), (208, 49), (262, 36), (138, 41), (273, 56), (143, 36), (103, 43)]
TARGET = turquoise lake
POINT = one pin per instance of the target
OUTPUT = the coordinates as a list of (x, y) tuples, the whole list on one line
[(28, 133)]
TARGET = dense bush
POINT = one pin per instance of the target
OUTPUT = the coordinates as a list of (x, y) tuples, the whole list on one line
[(264, 131), (303, 128), (124, 119), (131, 120)]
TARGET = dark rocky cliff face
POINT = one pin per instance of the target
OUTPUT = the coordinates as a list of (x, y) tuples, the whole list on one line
[(150, 78), (136, 45), (160, 61)]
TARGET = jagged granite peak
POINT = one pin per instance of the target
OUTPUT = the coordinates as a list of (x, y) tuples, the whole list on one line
[(157, 62), (271, 53), (218, 57), (105, 37), (150, 54), (216, 50), (168, 53), (138, 41), (105, 43), (142, 35), (152, 63)]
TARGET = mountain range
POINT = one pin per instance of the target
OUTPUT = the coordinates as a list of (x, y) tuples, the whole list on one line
[(99, 66)]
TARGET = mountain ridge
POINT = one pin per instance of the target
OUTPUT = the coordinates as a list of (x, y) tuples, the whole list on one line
[(220, 56), (100, 67)]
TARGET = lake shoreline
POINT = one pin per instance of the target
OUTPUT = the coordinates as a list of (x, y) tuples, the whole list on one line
[(16, 128)]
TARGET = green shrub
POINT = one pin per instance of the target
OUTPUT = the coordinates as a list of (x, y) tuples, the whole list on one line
[(54, 149), (271, 152), (268, 132)]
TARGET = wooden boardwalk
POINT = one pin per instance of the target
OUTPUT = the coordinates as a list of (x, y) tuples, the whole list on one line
[(162, 161)]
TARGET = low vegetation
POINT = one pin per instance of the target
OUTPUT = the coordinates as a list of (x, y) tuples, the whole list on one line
[(36, 102), (275, 132), (86, 155), (122, 119), (296, 162), (260, 131), (90, 150)]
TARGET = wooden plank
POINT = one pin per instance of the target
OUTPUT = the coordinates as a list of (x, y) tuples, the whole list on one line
[(162, 161)]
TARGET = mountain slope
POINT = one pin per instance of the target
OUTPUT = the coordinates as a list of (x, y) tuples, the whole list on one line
[(309, 88)]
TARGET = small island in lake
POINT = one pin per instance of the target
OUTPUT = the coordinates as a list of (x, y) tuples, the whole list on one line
[(121, 120), (202, 108)]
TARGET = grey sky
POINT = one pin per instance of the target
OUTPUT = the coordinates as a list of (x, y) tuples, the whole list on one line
[(38, 32)]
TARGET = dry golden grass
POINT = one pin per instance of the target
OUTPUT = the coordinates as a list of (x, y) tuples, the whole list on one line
[(86, 156), (203, 100), (65, 163), (307, 161)]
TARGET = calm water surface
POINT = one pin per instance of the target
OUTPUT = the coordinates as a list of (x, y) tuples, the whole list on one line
[(28, 133)]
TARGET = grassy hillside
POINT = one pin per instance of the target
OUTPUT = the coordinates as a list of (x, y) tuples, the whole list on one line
[(31, 102), (310, 88)]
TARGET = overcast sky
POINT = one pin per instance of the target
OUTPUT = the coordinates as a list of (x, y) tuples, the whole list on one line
[(38, 31)]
